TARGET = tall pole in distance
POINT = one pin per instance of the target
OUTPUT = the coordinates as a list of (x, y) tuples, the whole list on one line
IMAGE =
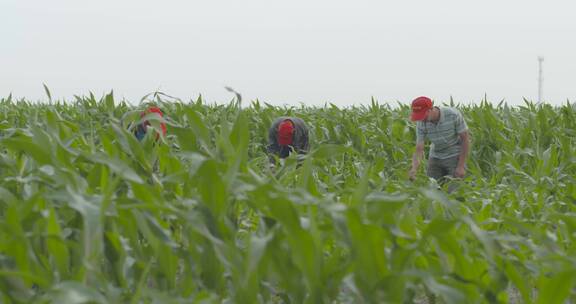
[(540, 79)]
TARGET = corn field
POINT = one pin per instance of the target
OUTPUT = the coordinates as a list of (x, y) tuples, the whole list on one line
[(88, 214)]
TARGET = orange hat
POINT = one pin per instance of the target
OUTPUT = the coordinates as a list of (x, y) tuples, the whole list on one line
[(420, 107), (285, 132), (157, 111)]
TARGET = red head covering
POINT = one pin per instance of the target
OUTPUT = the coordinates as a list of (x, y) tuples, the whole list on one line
[(157, 111), (420, 107), (285, 132)]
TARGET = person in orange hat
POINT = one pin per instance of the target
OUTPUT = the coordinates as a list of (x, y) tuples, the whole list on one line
[(286, 135), (446, 129), (142, 128)]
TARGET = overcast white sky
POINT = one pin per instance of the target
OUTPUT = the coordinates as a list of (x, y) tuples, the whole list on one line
[(287, 52)]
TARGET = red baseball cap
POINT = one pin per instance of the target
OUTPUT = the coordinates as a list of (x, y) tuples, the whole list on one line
[(285, 132), (420, 107), (157, 111)]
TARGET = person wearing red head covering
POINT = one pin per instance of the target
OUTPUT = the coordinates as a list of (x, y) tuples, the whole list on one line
[(287, 134), (446, 129), (142, 128)]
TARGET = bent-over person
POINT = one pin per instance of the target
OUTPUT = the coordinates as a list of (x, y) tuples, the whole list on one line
[(286, 135)]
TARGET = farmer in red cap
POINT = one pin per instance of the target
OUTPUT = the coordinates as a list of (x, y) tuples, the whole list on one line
[(287, 134), (446, 129), (142, 128)]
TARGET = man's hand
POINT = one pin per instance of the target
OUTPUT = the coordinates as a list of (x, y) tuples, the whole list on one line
[(412, 174), (459, 172)]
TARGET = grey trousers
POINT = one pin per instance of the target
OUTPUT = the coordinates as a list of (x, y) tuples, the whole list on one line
[(438, 168)]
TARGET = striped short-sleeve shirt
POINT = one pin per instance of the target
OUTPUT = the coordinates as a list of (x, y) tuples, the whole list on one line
[(444, 134)]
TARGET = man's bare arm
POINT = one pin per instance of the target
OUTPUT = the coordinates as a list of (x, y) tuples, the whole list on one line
[(416, 158)]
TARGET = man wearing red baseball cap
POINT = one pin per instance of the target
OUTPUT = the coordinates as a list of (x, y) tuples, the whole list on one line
[(142, 128), (287, 134), (446, 129)]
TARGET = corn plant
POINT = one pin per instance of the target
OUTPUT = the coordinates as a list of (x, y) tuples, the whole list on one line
[(89, 214)]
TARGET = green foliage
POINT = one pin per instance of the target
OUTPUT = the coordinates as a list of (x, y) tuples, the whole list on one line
[(90, 215)]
